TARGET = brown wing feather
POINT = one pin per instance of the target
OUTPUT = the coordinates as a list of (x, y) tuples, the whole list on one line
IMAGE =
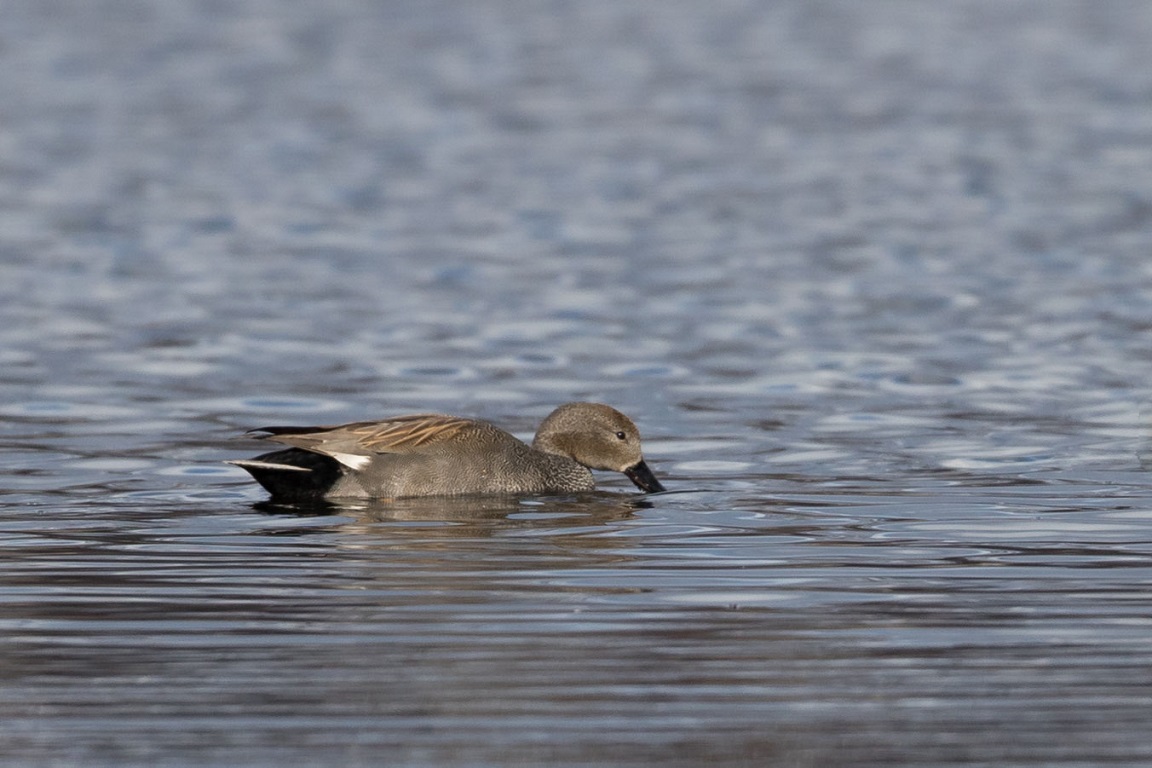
[(397, 435), (408, 432)]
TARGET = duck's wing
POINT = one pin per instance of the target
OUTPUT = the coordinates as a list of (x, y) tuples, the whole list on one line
[(353, 445)]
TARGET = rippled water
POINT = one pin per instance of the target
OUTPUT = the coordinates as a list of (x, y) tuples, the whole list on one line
[(873, 279)]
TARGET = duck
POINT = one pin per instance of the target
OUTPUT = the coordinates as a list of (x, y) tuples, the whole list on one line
[(430, 454)]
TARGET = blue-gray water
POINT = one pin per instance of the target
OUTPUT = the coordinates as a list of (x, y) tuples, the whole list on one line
[(874, 279)]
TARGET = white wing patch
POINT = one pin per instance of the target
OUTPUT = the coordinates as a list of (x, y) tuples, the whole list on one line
[(351, 460)]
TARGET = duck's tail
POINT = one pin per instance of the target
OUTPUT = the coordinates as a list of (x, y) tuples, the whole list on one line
[(293, 474)]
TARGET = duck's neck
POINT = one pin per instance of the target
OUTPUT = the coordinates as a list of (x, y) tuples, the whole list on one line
[(566, 474)]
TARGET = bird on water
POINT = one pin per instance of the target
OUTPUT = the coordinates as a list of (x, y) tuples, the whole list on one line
[(438, 455)]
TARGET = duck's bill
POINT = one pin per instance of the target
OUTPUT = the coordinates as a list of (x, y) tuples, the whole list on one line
[(643, 478)]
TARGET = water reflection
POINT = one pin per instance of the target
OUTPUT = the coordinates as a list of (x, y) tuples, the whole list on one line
[(441, 512)]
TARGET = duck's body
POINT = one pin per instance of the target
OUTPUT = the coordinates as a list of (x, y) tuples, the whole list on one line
[(437, 455)]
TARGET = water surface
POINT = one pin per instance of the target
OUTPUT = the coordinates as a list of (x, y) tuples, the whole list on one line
[(873, 281)]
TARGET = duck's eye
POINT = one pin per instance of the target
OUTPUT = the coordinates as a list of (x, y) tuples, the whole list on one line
[(621, 436)]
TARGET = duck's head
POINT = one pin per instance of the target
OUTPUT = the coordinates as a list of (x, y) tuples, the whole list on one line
[(599, 437)]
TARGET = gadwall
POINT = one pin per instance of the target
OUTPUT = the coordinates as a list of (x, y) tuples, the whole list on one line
[(436, 455)]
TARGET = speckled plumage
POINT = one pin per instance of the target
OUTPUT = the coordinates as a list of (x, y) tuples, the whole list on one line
[(438, 455)]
